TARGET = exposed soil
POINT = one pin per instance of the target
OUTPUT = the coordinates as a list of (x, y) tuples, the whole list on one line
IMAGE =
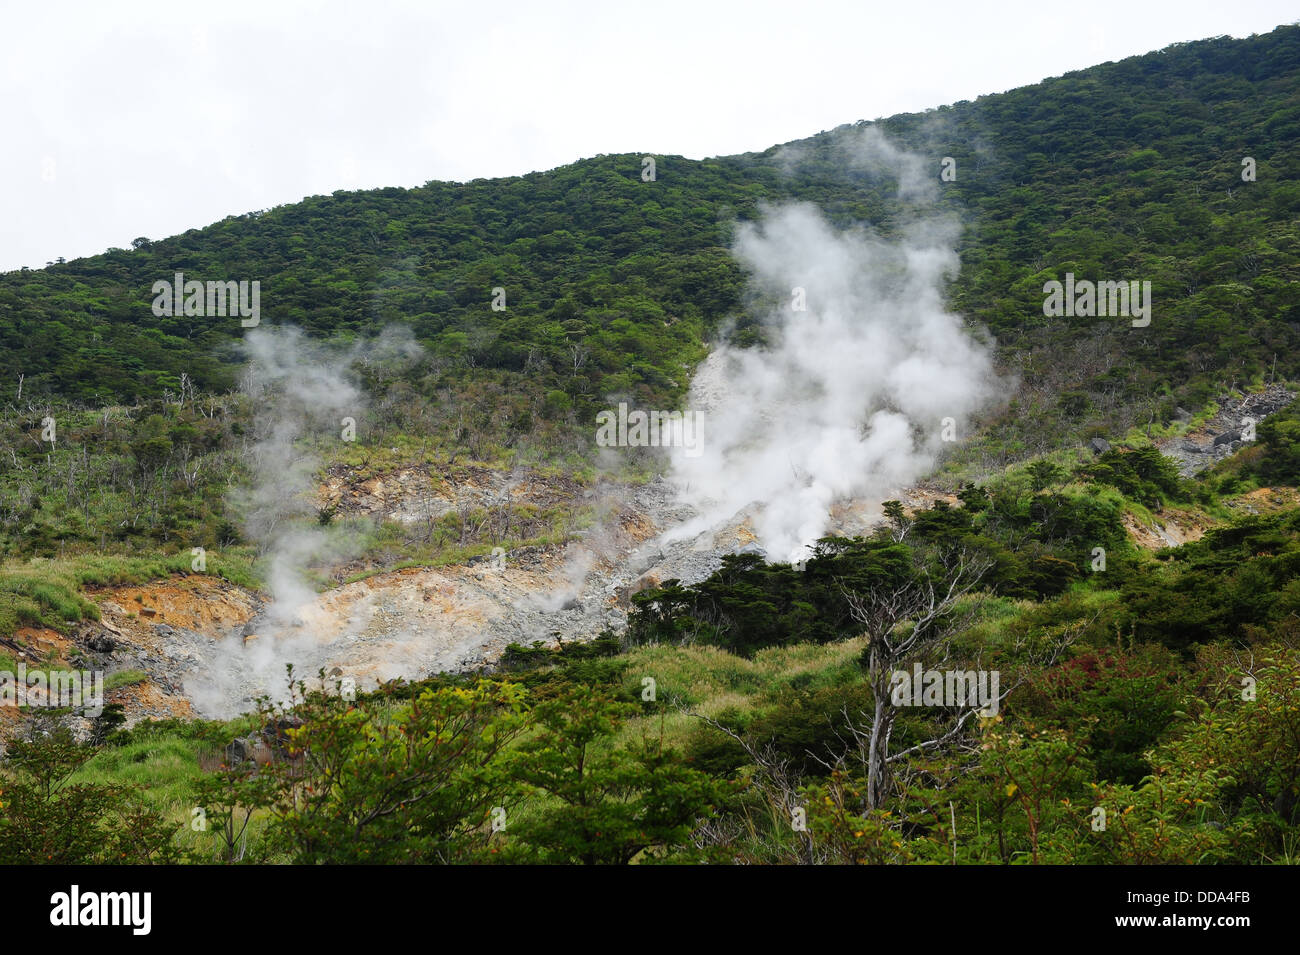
[(209, 647), (1266, 500), (196, 602), (420, 493), (1171, 529), (1221, 436)]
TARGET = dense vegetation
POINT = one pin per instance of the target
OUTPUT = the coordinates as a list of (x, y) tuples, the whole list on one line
[(1128, 170), (1150, 713)]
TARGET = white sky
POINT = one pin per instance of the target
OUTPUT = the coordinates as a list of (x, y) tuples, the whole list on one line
[(148, 118)]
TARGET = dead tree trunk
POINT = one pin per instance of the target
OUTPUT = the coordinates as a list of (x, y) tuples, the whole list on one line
[(900, 624)]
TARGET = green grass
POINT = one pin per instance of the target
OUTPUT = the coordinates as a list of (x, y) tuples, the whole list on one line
[(709, 680), (162, 766), (124, 678), (41, 593), (236, 564), (45, 592)]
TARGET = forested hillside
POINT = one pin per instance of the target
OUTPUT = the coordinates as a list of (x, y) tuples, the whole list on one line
[(533, 651), (613, 284)]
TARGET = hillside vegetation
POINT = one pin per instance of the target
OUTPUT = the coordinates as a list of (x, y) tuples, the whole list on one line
[(1150, 696), (1129, 170)]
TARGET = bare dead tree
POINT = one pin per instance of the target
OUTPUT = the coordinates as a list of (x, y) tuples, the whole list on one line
[(861, 735), (901, 623), (578, 356)]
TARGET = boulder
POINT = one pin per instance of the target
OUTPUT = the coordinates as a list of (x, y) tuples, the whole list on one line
[(1099, 445), (236, 751), (101, 642)]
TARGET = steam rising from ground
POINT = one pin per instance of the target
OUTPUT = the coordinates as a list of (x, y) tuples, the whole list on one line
[(297, 387), (848, 400), (302, 391)]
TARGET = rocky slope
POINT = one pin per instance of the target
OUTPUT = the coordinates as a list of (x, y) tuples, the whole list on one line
[(210, 648)]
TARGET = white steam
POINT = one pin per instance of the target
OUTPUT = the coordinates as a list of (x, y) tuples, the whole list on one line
[(298, 388), (305, 394), (848, 399)]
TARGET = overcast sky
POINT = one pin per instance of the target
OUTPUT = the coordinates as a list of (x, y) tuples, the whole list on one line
[(146, 118)]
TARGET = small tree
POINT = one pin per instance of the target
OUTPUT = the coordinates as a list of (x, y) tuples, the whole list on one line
[(615, 803), (229, 797), (898, 519), (1044, 473), (395, 782), (46, 818)]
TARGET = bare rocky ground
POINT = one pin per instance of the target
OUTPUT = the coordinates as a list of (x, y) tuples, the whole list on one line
[(1201, 448), (1221, 436), (210, 648)]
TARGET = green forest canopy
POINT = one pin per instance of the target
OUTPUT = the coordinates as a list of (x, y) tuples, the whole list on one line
[(1124, 170)]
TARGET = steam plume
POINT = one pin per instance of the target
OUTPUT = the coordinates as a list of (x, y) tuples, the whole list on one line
[(848, 398), (301, 390)]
